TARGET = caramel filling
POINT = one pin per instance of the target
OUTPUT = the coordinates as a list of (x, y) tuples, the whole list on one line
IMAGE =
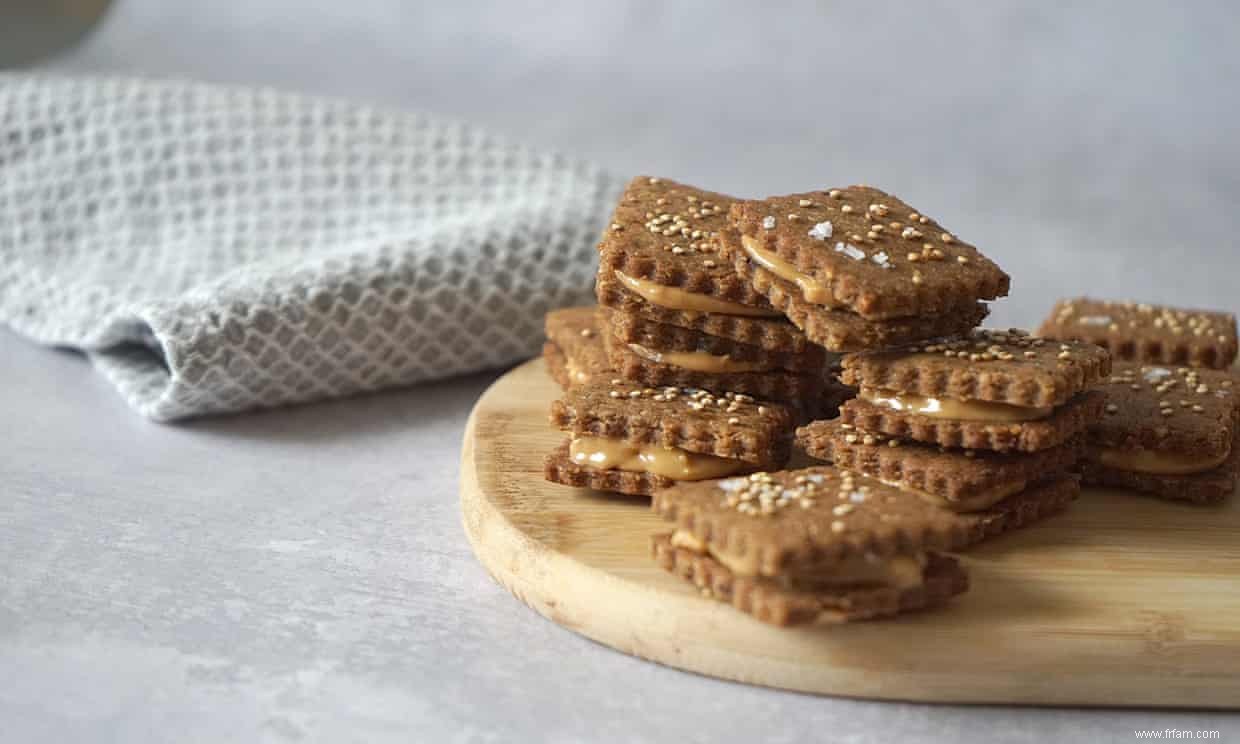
[(605, 453), (697, 361), (900, 572), (1159, 463), (811, 289), (676, 298), (959, 410), (576, 374), (973, 502)]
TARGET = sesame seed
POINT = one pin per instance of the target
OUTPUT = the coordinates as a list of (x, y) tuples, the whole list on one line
[(834, 193), (846, 208), (805, 203), (837, 527), (946, 237)]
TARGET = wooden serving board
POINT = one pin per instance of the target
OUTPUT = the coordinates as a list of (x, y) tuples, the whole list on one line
[(1122, 600)]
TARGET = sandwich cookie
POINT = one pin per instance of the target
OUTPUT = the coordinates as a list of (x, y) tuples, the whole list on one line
[(857, 268), (810, 545), (965, 481), (989, 389), (1166, 431), (633, 439), (658, 258)]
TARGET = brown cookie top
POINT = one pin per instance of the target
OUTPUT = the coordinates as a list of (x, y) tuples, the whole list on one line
[(808, 519), (777, 603), (729, 425), (664, 232), (986, 365), (875, 254), (576, 334), (954, 475), (1141, 332), (1167, 409)]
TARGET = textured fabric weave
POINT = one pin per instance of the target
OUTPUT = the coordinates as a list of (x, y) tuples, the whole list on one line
[(216, 249)]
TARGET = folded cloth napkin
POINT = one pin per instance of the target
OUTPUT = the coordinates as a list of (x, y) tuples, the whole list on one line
[(215, 249)]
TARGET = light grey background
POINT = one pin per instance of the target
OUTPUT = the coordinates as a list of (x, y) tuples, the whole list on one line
[(301, 575)]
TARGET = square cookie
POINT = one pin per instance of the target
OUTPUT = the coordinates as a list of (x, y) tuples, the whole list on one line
[(1167, 431), (1151, 334), (865, 251), (808, 545), (990, 389), (630, 438), (658, 258)]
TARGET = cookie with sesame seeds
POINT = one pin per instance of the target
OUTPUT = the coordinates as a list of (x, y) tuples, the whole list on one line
[(960, 480), (574, 350), (1151, 334), (1007, 367), (1166, 430), (787, 604), (809, 521), (1167, 409), (730, 425), (842, 330), (865, 251), (1061, 424), (705, 352), (659, 248), (655, 368)]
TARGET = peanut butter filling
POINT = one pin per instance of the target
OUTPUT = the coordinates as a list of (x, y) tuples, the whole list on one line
[(576, 374), (958, 410), (675, 298), (605, 453), (811, 289), (899, 572), (697, 361), (1159, 463), (974, 502)]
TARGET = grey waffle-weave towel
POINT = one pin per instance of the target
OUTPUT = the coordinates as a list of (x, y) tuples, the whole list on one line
[(216, 249)]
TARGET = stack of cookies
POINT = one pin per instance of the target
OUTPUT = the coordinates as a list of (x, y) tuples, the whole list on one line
[(676, 314), (1170, 411), (991, 422)]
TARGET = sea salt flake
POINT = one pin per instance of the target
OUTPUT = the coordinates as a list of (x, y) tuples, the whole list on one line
[(768, 223), (1154, 374), (882, 259), (851, 251), (732, 484), (821, 231), (1094, 320)]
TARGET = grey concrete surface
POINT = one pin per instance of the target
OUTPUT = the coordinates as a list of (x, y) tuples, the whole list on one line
[(300, 575)]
